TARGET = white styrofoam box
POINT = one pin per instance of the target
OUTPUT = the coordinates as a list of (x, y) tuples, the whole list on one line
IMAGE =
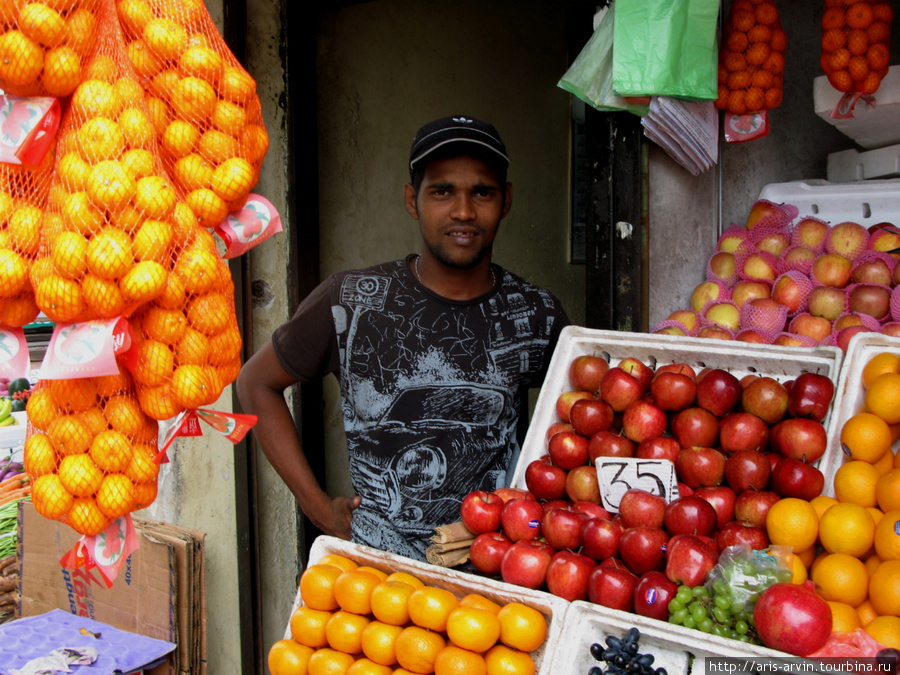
[(458, 583), (849, 395), (12, 437), (738, 358), (871, 127), (866, 203), (850, 165), (676, 648)]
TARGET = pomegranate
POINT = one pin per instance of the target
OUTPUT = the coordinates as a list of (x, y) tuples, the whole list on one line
[(793, 618)]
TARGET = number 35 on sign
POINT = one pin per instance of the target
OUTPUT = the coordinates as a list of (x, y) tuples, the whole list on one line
[(617, 475)]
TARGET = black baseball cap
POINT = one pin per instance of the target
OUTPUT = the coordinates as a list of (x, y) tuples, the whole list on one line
[(457, 129)]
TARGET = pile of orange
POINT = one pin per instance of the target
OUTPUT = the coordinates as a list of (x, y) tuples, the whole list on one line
[(90, 451), (850, 543), (205, 107), (856, 36), (359, 620), (44, 45), (751, 58)]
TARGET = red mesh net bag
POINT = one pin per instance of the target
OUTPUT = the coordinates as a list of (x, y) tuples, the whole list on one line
[(89, 451), (751, 58), (768, 316), (770, 235), (848, 239), (810, 232), (205, 107), (856, 44), (23, 194), (44, 45)]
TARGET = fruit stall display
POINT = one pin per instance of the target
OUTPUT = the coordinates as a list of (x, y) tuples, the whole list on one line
[(812, 264), (370, 612)]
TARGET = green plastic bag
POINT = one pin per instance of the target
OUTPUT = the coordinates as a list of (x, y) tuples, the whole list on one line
[(666, 48), (590, 75)]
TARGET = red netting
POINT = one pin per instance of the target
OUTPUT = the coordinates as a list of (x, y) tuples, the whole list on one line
[(770, 317), (848, 239), (44, 45), (856, 40), (755, 265), (671, 326), (810, 232), (751, 59), (721, 267), (731, 238), (796, 257), (792, 289)]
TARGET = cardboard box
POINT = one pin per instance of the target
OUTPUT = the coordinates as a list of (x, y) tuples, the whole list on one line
[(159, 592)]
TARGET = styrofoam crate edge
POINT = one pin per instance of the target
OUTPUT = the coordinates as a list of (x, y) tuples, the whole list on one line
[(870, 126), (672, 646), (867, 203), (849, 395), (458, 583), (852, 165), (739, 358)]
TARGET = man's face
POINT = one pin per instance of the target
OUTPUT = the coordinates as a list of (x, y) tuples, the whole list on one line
[(459, 207)]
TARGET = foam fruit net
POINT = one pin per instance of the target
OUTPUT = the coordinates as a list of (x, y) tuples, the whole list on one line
[(161, 138)]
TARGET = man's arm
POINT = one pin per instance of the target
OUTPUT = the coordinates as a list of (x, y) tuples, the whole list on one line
[(260, 389)]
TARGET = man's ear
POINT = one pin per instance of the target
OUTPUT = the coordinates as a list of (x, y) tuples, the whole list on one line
[(409, 198), (507, 199)]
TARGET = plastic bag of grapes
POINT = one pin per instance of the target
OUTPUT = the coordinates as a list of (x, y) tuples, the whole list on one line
[(742, 574)]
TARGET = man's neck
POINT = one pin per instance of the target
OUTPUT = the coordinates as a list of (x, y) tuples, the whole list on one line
[(452, 283)]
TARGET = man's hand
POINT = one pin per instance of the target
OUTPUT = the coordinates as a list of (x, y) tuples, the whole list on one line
[(340, 513)]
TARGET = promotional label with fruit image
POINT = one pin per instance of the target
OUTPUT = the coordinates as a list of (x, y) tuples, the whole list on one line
[(249, 227), (356, 603), (86, 349), (15, 360), (27, 128)]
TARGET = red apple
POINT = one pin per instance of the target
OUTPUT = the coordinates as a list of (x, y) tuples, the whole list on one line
[(609, 444), (545, 481), (507, 493), (721, 264), (848, 239), (568, 449), (774, 243), (643, 420), (480, 511), (561, 528), (612, 586), (752, 507), (568, 575), (811, 232), (637, 369), (736, 533), (699, 466), (689, 559), (620, 389), (874, 271), (811, 396), (566, 400), (816, 327), (658, 447), (639, 507), (555, 428), (722, 498), (582, 484), (600, 538), (673, 391), (715, 333), (690, 515), (800, 438), (761, 210), (652, 595), (760, 266), (793, 618), (766, 398), (588, 416), (525, 563), (591, 510), (869, 299), (747, 470), (585, 372), (743, 431), (744, 291), (680, 368), (793, 478), (643, 548), (695, 426), (487, 551), (521, 519), (843, 336), (555, 504), (831, 269), (827, 302), (718, 392)]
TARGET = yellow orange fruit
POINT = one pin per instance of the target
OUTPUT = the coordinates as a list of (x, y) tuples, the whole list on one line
[(886, 630), (883, 397), (116, 496), (327, 661), (378, 640), (866, 437), (111, 451), (308, 626), (855, 481), (842, 578), (430, 607), (474, 629), (501, 660), (41, 23), (417, 649), (452, 660), (884, 588), (353, 589), (109, 253), (522, 627), (39, 455), (21, 59), (885, 362), (847, 528), (843, 617), (317, 586), (792, 522), (50, 497), (344, 630), (887, 490), (288, 657), (887, 536)]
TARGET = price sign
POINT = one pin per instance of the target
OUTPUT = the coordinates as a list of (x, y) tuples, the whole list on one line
[(618, 474)]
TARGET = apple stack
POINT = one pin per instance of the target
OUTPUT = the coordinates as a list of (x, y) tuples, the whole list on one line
[(799, 282), (738, 446)]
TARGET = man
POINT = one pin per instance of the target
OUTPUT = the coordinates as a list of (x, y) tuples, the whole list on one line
[(434, 355)]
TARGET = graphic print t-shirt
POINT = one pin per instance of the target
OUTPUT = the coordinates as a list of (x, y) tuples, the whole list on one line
[(431, 389)]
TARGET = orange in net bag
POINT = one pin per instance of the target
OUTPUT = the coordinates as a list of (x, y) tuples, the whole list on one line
[(205, 107), (856, 40), (751, 58), (89, 451), (43, 45), (187, 345), (23, 193)]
